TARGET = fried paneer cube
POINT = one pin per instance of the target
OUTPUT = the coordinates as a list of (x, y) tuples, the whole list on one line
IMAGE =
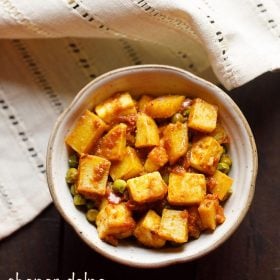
[(114, 221), (156, 159), (93, 175), (186, 188), (86, 132), (116, 107), (164, 106), (130, 166), (112, 146), (222, 185), (147, 188), (207, 212), (203, 116), (147, 228), (175, 137), (174, 225), (211, 212), (205, 155), (147, 134)]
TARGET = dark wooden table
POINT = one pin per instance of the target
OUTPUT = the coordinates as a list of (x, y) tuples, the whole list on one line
[(49, 248)]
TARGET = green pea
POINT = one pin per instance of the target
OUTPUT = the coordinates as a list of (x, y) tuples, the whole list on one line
[(223, 167), (91, 215), (71, 175), (119, 186), (79, 200), (73, 189), (177, 118), (226, 159), (186, 112), (73, 161)]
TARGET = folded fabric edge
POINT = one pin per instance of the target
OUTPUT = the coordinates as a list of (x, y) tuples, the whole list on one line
[(11, 223), (247, 78)]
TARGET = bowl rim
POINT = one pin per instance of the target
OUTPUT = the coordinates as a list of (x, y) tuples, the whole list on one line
[(195, 79)]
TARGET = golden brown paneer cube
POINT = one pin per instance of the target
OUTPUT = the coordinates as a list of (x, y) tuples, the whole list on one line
[(114, 221), (112, 146), (174, 225), (186, 188), (164, 106), (203, 116), (144, 100), (211, 212), (222, 185), (175, 137), (220, 134), (156, 159), (85, 133), (205, 154), (93, 175), (147, 134), (207, 213), (147, 228), (147, 188), (115, 107), (130, 166)]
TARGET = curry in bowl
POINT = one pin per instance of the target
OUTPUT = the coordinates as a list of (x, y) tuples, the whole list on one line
[(155, 169)]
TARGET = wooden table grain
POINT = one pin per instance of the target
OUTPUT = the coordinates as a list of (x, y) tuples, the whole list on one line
[(48, 248)]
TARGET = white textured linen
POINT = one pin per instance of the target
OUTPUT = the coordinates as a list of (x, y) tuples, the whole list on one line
[(50, 49)]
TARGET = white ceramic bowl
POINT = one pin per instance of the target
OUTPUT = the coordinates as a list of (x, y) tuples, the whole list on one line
[(155, 80)]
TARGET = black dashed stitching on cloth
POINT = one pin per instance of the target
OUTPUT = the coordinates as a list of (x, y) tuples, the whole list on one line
[(82, 60), (190, 65), (271, 23), (38, 75), (221, 44), (131, 52), (18, 128), (171, 21), (89, 17), (219, 35), (174, 22), (76, 6), (10, 204)]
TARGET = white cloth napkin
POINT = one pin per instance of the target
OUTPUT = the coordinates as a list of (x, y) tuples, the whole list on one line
[(50, 49)]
